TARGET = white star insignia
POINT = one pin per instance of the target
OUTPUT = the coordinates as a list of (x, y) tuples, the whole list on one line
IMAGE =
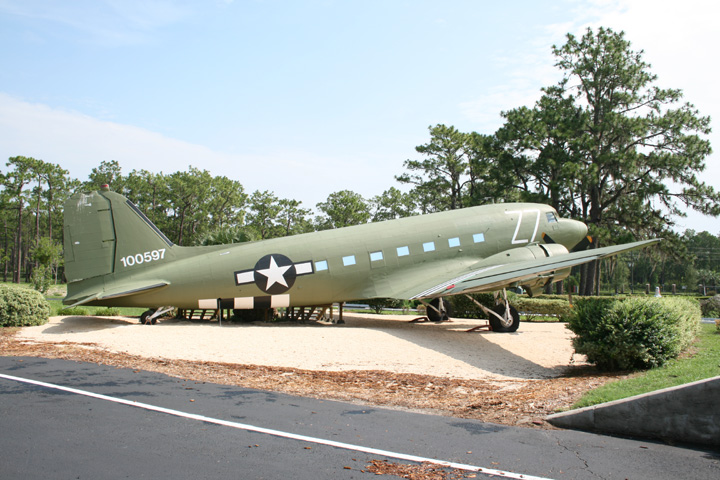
[(274, 274)]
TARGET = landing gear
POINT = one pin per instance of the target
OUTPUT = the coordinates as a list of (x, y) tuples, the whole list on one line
[(438, 310), (145, 318), (504, 318), (150, 317)]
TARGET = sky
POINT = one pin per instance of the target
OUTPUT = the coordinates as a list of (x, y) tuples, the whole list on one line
[(308, 97)]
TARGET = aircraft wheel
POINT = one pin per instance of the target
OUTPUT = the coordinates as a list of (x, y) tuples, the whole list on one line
[(435, 316), (144, 318), (508, 325)]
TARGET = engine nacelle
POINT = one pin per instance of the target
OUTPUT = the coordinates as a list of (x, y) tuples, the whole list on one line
[(550, 249), (531, 252)]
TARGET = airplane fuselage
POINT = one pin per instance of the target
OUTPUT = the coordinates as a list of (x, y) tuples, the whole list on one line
[(364, 261)]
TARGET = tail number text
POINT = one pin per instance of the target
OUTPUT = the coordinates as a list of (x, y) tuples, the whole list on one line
[(140, 258)]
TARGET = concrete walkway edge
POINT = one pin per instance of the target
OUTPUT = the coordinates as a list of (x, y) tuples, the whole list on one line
[(686, 413)]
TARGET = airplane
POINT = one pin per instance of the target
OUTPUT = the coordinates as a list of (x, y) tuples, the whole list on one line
[(115, 256)]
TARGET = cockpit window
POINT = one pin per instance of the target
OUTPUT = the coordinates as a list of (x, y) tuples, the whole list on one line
[(551, 218)]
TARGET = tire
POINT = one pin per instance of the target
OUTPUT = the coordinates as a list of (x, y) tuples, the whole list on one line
[(435, 316), (497, 325), (144, 318)]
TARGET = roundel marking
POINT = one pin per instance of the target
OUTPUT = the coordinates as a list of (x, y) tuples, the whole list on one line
[(275, 274)]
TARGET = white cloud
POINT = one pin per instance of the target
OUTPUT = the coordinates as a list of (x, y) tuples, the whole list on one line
[(525, 69), (79, 143), (485, 111)]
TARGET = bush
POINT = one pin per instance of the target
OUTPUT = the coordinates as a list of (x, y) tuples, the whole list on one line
[(380, 304), (633, 333), (463, 307), (711, 307), (107, 312), (41, 277), (559, 307), (21, 307), (73, 311)]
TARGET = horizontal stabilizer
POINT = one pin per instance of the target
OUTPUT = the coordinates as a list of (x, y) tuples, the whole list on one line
[(122, 290)]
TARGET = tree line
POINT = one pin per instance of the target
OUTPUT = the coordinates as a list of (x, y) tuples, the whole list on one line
[(604, 145), (191, 207)]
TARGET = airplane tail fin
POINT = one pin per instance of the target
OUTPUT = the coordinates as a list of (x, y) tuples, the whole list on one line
[(104, 234)]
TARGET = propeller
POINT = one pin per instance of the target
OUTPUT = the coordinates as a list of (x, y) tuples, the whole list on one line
[(547, 238), (584, 244)]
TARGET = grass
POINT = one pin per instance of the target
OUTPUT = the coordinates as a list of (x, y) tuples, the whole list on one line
[(540, 318), (701, 361), (56, 306)]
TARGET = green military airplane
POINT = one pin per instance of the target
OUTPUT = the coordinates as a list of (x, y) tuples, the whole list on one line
[(115, 256)]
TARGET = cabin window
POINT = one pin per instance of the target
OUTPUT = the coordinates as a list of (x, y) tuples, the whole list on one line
[(376, 256), (403, 251), (454, 242), (429, 247), (479, 237), (551, 218), (321, 265), (349, 260)]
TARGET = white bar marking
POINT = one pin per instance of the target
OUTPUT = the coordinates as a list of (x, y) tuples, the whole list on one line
[(279, 301), (303, 268), (244, 303), (245, 277), (207, 303)]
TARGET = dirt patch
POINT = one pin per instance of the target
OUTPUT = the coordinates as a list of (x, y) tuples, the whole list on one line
[(513, 387)]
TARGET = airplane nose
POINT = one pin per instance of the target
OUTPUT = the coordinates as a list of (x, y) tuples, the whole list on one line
[(571, 232)]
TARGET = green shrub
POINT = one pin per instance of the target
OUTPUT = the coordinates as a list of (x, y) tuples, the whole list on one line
[(41, 277), (20, 307), (463, 307), (107, 312), (559, 307), (380, 304), (73, 311), (633, 333), (711, 307)]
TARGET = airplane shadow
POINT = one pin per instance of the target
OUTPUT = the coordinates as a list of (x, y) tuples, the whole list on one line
[(448, 338), (475, 348), (78, 324)]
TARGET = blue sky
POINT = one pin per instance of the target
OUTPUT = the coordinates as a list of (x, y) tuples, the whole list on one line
[(305, 98)]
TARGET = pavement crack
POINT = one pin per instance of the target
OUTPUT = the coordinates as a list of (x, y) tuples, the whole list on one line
[(579, 457)]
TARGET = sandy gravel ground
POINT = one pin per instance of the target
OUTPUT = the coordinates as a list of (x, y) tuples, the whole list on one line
[(364, 342)]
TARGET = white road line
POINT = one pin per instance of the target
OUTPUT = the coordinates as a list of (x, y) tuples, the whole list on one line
[(277, 433)]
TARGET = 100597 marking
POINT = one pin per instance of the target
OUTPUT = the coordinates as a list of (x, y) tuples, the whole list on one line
[(140, 258)]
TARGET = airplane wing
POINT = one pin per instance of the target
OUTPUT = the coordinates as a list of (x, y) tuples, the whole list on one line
[(122, 290), (483, 277)]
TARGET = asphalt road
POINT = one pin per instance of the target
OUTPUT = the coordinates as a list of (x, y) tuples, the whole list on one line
[(50, 433)]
